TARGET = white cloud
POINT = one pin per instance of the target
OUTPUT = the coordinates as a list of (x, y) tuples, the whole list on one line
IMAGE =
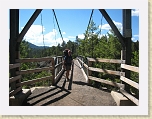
[(135, 38), (35, 36), (135, 12), (81, 36), (135, 35), (72, 37), (107, 26), (99, 36), (63, 33)]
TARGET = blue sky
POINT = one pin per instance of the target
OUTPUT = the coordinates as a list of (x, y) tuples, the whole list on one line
[(72, 22)]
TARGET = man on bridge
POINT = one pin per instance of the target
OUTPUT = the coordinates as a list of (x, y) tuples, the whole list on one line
[(67, 62)]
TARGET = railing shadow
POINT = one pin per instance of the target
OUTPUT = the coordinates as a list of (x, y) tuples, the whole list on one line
[(51, 96), (80, 83), (78, 66)]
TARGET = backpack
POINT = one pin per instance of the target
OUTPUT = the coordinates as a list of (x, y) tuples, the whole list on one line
[(65, 52), (67, 58)]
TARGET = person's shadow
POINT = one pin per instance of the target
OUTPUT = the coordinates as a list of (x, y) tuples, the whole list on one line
[(71, 78)]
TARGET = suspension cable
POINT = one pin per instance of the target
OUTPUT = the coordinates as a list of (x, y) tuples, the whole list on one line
[(57, 24), (42, 30), (101, 25), (55, 35), (89, 21)]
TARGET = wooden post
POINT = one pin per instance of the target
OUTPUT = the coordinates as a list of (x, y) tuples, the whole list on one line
[(89, 72), (53, 72), (127, 33), (123, 57), (13, 47)]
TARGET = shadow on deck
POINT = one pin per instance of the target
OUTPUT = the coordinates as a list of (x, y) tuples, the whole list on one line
[(73, 93)]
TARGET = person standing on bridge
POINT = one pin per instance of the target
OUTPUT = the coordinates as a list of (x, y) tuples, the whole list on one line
[(67, 62)]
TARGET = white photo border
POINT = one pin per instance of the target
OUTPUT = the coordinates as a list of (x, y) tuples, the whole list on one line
[(142, 109)]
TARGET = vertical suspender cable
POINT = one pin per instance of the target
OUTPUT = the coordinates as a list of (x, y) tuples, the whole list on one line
[(89, 21), (55, 35), (42, 30), (57, 24), (101, 26)]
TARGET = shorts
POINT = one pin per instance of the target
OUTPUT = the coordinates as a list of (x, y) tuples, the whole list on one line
[(67, 67)]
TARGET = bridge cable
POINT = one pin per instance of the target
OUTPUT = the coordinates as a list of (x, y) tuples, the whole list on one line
[(55, 35), (101, 26), (42, 31), (89, 22), (57, 24)]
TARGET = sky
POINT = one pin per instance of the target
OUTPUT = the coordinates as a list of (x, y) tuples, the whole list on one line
[(72, 23)]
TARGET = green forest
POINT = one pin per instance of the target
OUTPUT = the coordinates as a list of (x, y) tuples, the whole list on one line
[(107, 46)]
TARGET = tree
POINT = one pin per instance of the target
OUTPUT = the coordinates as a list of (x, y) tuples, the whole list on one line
[(24, 49)]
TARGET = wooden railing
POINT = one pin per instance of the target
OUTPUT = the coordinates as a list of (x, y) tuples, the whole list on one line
[(50, 67), (58, 68), (88, 66), (50, 64), (130, 82), (16, 79)]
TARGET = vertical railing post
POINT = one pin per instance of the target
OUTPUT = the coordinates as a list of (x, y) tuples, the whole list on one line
[(13, 45), (53, 72), (123, 57), (89, 72), (127, 34), (82, 61), (60, 63)]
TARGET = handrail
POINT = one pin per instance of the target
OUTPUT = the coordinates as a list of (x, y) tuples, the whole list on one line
[(130, 82), (129, 67), (119, 73), (106, 60), (13, 80), (23, 60), (56, 70), (12, 66)]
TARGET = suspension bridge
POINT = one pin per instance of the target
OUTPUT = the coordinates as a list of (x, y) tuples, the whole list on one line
[(78, 91)]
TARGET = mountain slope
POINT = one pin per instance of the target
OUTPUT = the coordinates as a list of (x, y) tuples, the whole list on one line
[(36, 47)]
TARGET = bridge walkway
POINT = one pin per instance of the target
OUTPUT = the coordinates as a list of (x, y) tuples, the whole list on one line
[(70, 93)]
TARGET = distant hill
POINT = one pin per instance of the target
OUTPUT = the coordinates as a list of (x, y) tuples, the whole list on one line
[(36, 47)]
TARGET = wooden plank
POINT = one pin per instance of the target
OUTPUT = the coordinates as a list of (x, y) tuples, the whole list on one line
[(107, 71), (58, 65), (53, 72), (106, 82), (129, 67), (132, 98), (80, 60), (12, 79), (59, 56), (34, 70), (12, 66), (89, 72), (58, 75), (34, 59), (132, 83), (84, 74), (18, 84), (106, 60), (85, 65), (35, 80), (13, 92)]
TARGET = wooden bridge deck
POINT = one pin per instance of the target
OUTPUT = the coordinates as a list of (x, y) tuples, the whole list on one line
[(73, 93)]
